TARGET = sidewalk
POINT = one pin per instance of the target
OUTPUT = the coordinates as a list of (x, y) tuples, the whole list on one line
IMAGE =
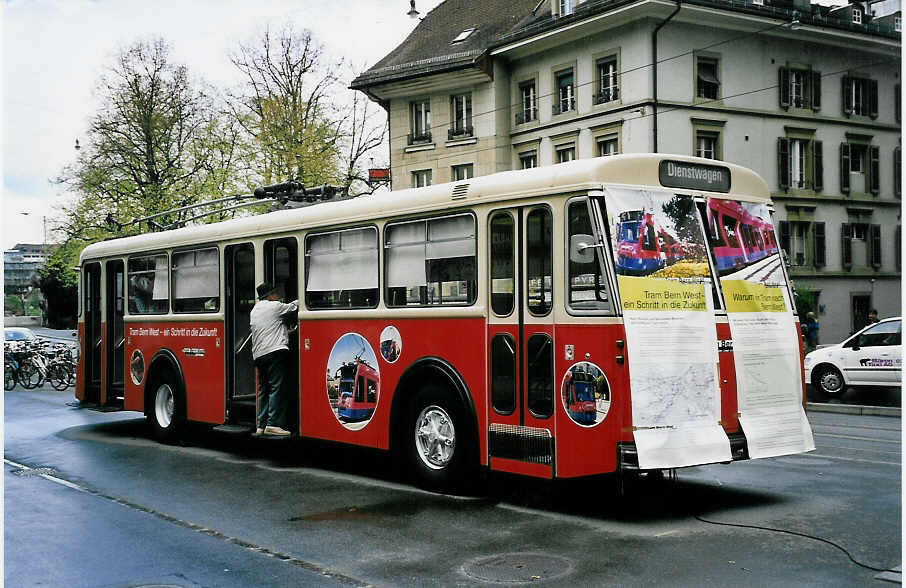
[(858, 409)]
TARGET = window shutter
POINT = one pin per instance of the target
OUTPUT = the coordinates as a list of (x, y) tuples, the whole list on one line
[(844, 168), (818, 163), (816, 90), (874, 155), (820, 246), (783, 162), (897, 105), (847, 96), (847, 246), (875, 246), (873, 98), (785, 236), (898, 241), (784, 87), (897, 180)]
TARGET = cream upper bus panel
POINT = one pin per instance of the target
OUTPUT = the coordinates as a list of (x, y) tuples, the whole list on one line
[(632, 169)]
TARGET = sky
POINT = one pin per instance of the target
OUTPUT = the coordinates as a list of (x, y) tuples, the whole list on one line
[(53, 52)]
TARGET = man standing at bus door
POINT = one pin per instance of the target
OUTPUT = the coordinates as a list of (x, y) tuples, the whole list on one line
[(270, 346)]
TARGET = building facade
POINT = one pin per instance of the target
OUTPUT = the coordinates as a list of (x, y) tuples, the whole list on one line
[(807, 96), (21, 265)]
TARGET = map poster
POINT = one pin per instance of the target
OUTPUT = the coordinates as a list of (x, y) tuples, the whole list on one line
[(665, 293), (765, 337)]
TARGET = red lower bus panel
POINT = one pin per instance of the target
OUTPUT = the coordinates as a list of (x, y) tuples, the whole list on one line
[(445, 339), (198, 347)]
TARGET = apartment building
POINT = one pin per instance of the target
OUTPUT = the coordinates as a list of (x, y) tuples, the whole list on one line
[(806, 95)]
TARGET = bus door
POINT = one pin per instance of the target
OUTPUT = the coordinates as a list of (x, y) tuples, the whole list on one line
[(239, 285), (281, 268), (115, 333), (520, 341), (94, 341)]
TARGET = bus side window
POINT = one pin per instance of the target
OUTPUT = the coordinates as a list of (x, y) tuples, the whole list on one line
[(586, 286), (503, 275), (540, 382), (149, 284), (341, 269), (539, 263)]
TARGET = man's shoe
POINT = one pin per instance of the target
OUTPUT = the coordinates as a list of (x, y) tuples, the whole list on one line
[(259, 431), (277, 431)]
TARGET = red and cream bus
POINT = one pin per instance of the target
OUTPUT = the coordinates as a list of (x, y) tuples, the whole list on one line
[(482, 299)]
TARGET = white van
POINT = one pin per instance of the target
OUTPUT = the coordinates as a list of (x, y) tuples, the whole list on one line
[(871, 357)]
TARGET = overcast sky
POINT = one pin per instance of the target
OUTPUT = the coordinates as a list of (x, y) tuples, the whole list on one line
[(54, 50)]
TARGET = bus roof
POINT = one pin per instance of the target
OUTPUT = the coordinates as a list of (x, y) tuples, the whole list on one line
[(584, 174)]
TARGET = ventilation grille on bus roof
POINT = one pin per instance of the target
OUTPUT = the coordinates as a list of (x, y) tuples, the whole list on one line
[(460, 191)]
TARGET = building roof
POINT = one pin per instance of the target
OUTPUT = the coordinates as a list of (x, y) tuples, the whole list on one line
[(429, 48)]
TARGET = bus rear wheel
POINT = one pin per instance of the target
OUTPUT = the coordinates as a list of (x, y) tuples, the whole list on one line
[(439, 442), (165, 408)]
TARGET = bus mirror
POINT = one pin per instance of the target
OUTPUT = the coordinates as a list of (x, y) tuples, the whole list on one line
[(581, 248)]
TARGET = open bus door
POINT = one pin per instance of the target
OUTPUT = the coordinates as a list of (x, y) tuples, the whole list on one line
[(115, 333), (281, 268), (93, 336), (521, 342), (239, 262)]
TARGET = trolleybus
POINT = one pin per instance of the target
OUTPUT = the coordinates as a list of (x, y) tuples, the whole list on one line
[(497, 287)]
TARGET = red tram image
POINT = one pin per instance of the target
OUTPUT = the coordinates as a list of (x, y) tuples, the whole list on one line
[(359, 388), (738, 237), (579, 395)]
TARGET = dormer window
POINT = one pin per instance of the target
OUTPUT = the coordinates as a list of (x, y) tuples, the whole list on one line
[(857, 16), (463, 35)]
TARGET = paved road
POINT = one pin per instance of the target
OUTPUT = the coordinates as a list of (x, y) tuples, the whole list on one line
[(117, 509)]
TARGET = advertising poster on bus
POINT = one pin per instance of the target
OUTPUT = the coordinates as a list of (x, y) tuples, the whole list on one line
[(665, 291), (765, 338)]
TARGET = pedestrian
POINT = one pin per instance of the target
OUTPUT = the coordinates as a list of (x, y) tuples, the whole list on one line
[(811, 332), (873, 316), (270, 348)]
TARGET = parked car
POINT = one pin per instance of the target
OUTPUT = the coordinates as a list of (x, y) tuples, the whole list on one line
[(871, 357), (18, 334)]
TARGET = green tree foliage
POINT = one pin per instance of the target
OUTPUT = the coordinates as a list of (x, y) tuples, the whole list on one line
[(58, 283), (156, 142)]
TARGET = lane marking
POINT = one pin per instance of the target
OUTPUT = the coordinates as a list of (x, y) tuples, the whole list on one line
[(854, 438), (301, 563)]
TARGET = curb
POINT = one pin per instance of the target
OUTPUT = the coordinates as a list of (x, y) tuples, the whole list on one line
[(857, 409)]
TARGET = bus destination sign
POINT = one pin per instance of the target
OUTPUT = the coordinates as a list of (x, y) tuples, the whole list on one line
[(694, 176)]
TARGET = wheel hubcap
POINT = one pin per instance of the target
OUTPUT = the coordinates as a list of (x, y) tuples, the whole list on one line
[(831, 382), (163, 405), (435, 437)]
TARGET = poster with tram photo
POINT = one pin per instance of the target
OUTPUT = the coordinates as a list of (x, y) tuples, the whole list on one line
[(665, 291), (762, 326)]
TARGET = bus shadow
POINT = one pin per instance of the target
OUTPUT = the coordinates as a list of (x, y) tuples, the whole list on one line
[(610, 497)]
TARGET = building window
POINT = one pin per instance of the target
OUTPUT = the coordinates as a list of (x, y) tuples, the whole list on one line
[(420, 121), (462, 172), (800, 88), (800, 163), (897, 23), (897, 170), (566, 7), (421, 178), (857, 16), (861, 238), (706, 144), (528, 159), (528, 106), (796, 239), (461, 116), (565, 153), (566, 92), (608, 88), (860, 96), (707, 80), (859, 168), (608, 145)]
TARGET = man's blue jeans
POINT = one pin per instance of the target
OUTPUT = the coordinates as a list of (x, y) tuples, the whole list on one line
[(271, 397)]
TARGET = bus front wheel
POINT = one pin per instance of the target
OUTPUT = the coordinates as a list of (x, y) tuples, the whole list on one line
[(165, 410), (438, 440)]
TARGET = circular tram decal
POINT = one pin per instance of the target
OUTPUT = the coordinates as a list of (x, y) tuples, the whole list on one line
[(585, 393), (353, 381), (137, 367), (391, 344)]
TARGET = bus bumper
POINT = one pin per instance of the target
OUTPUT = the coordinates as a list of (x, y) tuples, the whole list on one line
[(628, 458)]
